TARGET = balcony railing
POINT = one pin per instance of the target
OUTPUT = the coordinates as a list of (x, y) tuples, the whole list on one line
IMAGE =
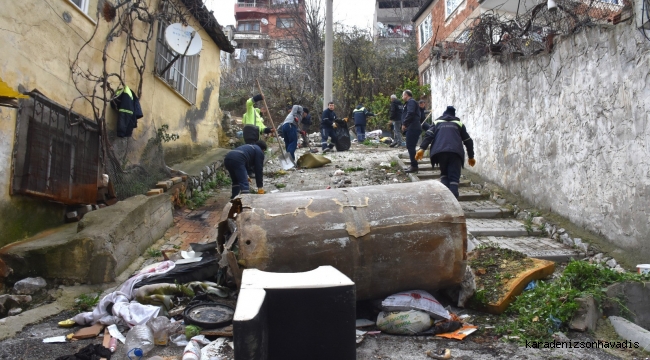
[(255, 4)]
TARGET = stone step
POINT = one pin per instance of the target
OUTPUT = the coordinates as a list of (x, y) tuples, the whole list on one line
[(421, 163), (484, 209), (470, 194), (498, 227), (536, 247), (428, 176), (425, 167)]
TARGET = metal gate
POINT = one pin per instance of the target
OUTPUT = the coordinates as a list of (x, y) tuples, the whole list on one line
[(56, 153)]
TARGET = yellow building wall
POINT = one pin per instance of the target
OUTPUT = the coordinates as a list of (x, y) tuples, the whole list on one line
[(38, 46)]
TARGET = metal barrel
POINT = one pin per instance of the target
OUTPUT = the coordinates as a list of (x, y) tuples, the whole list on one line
[(386, 238)]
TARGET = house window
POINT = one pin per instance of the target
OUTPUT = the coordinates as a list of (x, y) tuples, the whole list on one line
[(450, 6), (81, 4), (389, 4), (183, 75), (284, 2), (426, 77), (463, 37), (248, 26), (285, 23), (425, 30), (56, 153)]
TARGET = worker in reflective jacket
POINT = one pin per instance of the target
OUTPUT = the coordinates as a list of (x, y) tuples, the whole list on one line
[(253, 121), (360, 120), (447, 136)]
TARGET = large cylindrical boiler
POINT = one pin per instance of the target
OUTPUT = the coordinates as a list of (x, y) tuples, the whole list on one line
[(386, 238)]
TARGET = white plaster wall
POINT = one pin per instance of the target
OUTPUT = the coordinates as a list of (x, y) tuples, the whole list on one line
[(567, 131)]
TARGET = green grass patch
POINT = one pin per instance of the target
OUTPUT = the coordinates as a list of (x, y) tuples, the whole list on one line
[(86, 302), (550, 306), (351, 169), (280, 186), (153, 253)]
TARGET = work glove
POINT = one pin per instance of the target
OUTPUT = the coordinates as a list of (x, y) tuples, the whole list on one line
[(471, 162), (258, 97), (267, 131), (334, 125), (419, 155), (260, 191)]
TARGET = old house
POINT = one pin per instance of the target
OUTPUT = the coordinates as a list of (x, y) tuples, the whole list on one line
[(265, 36), (70, 57), (392, 27), (445, 24)]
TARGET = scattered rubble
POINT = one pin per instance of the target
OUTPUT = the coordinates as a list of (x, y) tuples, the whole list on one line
[(9, 302), (29, 286)]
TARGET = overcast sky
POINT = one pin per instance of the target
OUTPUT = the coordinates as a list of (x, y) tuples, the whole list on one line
[(349, 12)]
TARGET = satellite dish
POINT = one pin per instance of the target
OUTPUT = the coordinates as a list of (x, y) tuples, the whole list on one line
[(178, 37), (380, 25), (264, 21), (233, 43)]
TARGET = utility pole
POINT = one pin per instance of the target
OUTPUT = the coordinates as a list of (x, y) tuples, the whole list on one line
[(329, 53)]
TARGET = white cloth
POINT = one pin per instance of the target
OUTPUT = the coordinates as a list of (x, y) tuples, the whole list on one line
[(130, 312)]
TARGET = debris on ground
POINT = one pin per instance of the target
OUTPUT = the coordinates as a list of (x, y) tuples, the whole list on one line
[(364, 323), (459, 334), (410, 322), (551, 305), (91, 351), (310, 161), (441, 354), (415, 300), (88, 332), (501, 275)]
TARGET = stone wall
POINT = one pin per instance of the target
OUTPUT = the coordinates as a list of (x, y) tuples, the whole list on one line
[(96, 249), (569, 131)]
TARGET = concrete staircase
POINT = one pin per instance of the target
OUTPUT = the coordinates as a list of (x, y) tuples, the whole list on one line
[(491, 223)]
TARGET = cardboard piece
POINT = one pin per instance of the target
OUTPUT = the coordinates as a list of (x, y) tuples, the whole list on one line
[(89, 332), (107, 340)]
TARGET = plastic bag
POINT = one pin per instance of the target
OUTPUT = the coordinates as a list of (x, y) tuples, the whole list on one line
[(179, 340), (192, 351), (160, 328), (214, 350), (415, 300), (404, 322)]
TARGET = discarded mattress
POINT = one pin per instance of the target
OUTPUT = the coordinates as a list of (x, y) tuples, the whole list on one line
[(387, 238)]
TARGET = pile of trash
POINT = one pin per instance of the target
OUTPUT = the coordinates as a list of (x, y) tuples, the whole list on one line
[(166, 303), (416, 313)]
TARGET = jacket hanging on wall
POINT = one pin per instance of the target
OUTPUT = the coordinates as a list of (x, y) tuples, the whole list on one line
[(129, 111)]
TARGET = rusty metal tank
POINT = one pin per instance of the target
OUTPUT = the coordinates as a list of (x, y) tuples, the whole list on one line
[(386, 238)]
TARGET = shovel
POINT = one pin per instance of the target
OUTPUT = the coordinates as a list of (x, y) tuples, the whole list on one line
[(285, 158)]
